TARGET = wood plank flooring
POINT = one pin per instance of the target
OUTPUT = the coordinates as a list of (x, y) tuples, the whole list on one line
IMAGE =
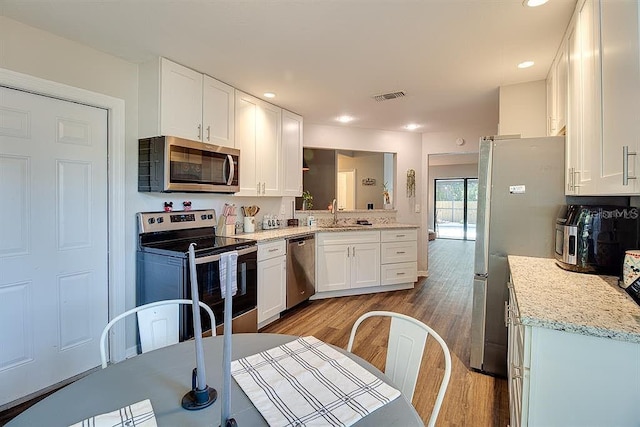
[(442, 301)]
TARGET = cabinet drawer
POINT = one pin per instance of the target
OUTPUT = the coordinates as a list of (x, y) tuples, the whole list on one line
[(398, 235), (404, 272), (271, 249), (348, 237), (399, 252)]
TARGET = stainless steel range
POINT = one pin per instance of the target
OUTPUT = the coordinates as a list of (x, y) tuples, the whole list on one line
[(163, 267)]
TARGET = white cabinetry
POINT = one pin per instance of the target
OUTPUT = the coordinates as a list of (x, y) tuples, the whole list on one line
[(291, 154), (620, 98), (259, 139), (604, 99), (399, 256), (272, 281), (178, 101), (584, 124), (559, 378), (557, 81), (347, 260)]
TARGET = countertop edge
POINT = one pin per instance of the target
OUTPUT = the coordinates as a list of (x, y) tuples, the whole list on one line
[(284, 233)]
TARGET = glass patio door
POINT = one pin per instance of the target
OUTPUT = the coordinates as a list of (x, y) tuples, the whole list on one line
[(456, 208)]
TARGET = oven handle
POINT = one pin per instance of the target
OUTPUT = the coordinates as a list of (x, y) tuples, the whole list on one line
[(214, 258)]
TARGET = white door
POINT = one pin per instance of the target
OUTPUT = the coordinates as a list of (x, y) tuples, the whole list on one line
[(364, 257), (53, 240), (272, 280), (333, 267), (347, 190)]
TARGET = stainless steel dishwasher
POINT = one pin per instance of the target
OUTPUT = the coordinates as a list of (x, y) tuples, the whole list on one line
[(301, 267)]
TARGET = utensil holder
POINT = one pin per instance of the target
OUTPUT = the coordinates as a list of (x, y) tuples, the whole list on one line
[(249, 224)]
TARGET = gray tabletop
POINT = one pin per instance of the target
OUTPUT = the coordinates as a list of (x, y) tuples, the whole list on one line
[(164, 376)]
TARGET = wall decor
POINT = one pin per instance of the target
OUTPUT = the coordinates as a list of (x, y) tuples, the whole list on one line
[(411, 183), (368, 181)]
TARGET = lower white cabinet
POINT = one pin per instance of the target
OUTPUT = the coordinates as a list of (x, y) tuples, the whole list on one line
[(399, 256), (346, 260), (272, 281), (560, 378)]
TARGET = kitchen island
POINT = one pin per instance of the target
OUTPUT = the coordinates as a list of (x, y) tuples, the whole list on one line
[(574, 348)]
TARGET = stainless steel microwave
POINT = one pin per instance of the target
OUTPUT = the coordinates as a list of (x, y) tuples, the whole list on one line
[(169, 164)]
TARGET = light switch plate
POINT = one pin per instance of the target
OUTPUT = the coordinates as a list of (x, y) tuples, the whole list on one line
[(417, 208), (282, 209)]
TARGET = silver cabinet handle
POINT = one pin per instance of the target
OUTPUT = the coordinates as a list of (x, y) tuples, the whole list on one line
[(625, 164), (400, 252), (208, 133), (258, 189), (263, 184), (354, 251), (576, 173), (569, 177), (273, 250), (348, 251), (400, 235), (200, 132), (400, 273)]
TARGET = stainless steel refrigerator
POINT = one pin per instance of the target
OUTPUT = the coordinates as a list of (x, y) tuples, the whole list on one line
[(520, 190)]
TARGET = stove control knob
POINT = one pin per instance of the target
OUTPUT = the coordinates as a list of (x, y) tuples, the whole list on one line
[(151, 220), (209, 216), (160, 220), (203, 217)]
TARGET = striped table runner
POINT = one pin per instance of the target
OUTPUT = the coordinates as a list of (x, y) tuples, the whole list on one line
[(138, 414), (306, 382)]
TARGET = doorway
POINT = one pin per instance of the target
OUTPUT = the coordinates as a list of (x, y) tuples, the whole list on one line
[(347, 190), (456, 208)]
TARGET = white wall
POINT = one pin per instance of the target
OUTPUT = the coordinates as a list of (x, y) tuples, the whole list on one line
[(523, 109), (445, 143), (408, 147)]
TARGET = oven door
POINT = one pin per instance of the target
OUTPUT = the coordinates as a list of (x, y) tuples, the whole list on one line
[(208, 273)]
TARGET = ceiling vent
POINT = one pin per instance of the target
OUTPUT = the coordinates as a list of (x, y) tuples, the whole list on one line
[(387, 96)]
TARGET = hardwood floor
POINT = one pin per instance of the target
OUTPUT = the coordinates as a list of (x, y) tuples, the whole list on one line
[(442, 301)]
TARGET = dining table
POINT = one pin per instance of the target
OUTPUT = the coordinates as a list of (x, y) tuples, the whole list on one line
[(164, 376)]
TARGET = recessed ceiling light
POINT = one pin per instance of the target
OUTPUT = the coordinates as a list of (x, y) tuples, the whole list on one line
[(345, 119), (534, 3), (412, 126), (525, 64), (269, 95)]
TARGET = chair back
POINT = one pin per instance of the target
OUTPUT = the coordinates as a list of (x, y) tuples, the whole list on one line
[(158, 324), (407, 339)]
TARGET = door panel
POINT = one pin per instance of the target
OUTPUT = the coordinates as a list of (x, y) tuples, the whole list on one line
[(54, 281)]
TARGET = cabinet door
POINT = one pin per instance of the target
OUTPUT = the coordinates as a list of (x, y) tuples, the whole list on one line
[(272, 297), (588, 33), (574, 122), (269, 143), (561, 81), (218, 101), (365, 262), (291, 154), (180, 101), (245, 122), (620, 96), (333, 268)]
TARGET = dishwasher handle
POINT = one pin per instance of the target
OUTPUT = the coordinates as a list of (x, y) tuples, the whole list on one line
[(302, 240)]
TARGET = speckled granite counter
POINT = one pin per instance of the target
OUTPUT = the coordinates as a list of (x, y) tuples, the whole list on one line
[(284, 233), (553, 298)]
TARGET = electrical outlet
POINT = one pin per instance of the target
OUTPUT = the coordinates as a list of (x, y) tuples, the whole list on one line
[(282, 209), (417, 208)]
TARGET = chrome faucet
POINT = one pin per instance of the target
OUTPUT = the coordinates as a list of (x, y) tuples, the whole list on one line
[(334, 208)]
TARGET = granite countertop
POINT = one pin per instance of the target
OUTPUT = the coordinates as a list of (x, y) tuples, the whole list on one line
[(587, 304), (283, 233)]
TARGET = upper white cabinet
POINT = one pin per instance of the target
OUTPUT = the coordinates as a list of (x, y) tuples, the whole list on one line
[(620, 57), (583, 127), (604, 99), (178, 101), (291, 154), (557, 81), (259, 139)]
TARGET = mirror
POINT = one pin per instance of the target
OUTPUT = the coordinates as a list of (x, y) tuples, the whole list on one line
[(358, 179)]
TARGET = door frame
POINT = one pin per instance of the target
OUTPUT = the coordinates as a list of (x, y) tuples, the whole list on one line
[(115, 181), (465, 203)]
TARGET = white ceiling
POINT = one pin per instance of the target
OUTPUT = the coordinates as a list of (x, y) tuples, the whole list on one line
[(324, 58)]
